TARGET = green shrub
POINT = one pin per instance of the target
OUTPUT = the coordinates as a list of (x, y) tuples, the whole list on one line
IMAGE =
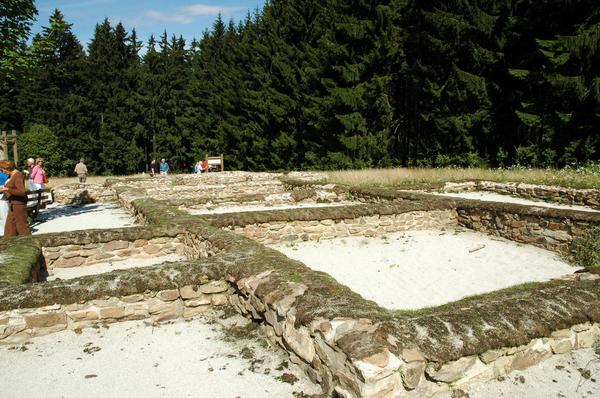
[(587, 250)]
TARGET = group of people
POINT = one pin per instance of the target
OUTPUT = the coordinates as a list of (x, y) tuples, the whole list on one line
[(201, 167), (156, 169), (13, 188)]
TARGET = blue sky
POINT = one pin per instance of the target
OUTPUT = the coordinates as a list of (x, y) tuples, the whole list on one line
[(188, 18)]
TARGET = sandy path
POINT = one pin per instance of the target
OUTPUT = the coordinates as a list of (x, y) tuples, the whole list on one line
[(420, 269), (496, 197), (60, 218), (182, 359), (238, 209), (560, 376)]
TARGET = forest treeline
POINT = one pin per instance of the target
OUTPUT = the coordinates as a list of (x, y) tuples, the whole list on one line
[(305, 84)]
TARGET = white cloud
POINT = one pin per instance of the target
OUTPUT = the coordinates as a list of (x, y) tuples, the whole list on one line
[(205, 9), (185, 15), (166, 17)]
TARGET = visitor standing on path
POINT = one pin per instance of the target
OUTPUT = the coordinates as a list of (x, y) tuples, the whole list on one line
[(16, 221), (164, 167), (3, 202), (81, 171), (154, 170), (38, 175)]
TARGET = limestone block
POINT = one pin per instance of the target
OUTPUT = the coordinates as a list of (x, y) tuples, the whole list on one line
[(491, 355), (70, 255), (137, 310), (159, 307), (412, 355), (299, 341), (134, 298), (378, 366), (453, 371), (151, 249), (160, 241), (89, 253), (189, 312), (214, 287), (168, 295), (83, 315), (115, 245), (199, 301), (68, 263), (189, 292), (412, 373), (334, 359), (139, 243), (219, 299), (45, 319), (112, 312), (382, 388), (588, 338), (537, 351)]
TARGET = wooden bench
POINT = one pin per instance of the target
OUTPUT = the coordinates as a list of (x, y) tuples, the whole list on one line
[(215, 163), (37, 200)]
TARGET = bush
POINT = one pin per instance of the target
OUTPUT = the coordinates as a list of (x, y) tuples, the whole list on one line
[(587, 250), (39, 141)]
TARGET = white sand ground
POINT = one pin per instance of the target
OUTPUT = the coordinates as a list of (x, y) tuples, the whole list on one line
[(563, 376), (100, 268), (238, 209), (421, 269), (193, 358), (496, 197), (61, 218)]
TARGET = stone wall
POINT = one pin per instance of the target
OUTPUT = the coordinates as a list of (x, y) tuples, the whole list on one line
[(83, 193), (377, 225), (116, 250), (548, 193), (19, 325), (352, 357), (551, 230), (75, 255)]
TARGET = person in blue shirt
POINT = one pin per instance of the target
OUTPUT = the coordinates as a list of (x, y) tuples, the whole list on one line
[(164, 167), (3, 178)]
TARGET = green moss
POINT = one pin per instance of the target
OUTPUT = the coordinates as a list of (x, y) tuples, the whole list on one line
[(18, 262), (470, 300)]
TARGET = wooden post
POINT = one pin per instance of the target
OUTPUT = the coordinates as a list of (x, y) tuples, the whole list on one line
[(15, 151), (3, 154), (222, 164)]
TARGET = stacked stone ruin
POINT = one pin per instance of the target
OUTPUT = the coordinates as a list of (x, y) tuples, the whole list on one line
[(343, 342)]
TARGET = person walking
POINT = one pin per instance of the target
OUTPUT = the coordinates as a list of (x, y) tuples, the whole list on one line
[(164, 167), (38, 175), (81, 171), (154, 170), (14, 190)]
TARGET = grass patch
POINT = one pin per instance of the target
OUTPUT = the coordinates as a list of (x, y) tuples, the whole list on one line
[(587, 250), (17, 262), (586, 177), (471, 299)]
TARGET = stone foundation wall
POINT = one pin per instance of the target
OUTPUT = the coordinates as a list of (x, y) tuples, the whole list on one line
[(322, 348), (572, 196), (83, 194), (552, 233), (294, 231), (69, 256), (19, 325)]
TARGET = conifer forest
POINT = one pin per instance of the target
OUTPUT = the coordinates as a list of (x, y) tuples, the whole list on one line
[(314, 84)]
